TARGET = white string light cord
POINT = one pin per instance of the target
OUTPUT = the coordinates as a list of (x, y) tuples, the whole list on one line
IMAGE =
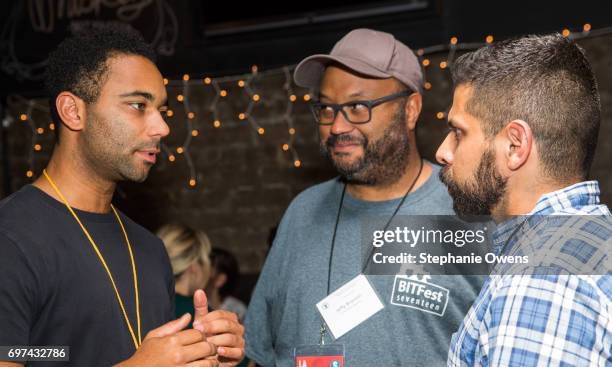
[(246, 82)]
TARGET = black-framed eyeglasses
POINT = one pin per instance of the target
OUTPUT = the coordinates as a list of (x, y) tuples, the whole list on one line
[(355, 112)]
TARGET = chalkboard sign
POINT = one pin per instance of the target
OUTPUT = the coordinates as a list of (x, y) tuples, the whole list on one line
[(32, 28)]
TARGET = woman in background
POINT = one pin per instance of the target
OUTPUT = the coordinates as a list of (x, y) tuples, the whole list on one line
[(190, 255), (189, 252)]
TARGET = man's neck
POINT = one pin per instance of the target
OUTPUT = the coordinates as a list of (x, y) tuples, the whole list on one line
[(396, 189), (522, 199), (82, 187)]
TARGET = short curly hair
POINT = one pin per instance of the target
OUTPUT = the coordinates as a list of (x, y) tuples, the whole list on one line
[(79, 63)]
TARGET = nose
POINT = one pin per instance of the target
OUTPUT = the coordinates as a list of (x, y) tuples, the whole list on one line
[(160, 127), (341, 125), (444, 155)]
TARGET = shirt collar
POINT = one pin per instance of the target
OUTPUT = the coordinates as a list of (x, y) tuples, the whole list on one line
[(574, 197), (569, 199)]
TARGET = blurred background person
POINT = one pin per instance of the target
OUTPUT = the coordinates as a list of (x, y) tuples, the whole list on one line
[(223, 282), (196, 265), (189, 252)]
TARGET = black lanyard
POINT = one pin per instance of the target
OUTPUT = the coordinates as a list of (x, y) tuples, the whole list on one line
[(333, 241)]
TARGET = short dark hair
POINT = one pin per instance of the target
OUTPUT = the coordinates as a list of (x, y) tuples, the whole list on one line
[(546, 81), (225, 262), (79, 63)]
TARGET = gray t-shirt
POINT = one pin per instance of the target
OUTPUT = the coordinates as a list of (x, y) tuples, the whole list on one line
[(282, 312)]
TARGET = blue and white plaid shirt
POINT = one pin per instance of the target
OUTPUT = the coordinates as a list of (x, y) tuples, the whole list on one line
[(545, 320)]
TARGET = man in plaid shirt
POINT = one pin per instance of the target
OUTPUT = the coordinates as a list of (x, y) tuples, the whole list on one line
[(523, 130)]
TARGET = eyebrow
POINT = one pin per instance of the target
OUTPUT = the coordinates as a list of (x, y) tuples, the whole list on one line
[(352, 95), (322, 95), (356, 94), (146, 95), (454, 124)]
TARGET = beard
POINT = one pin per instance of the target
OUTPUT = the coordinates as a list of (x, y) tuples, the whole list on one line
[(482, 194), (384, 160), (110, 150)]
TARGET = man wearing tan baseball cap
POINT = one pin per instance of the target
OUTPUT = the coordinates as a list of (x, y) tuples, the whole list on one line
[(368, 100), (368, 52)]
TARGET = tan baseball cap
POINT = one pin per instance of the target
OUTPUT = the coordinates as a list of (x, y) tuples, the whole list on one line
[(368, 52)]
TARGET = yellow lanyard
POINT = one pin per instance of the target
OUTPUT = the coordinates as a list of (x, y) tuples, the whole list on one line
[(138, 341)]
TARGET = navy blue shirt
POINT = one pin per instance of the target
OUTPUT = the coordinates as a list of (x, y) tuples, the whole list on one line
[(54, 290)]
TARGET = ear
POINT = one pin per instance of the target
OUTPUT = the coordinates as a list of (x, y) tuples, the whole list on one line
[(71, 110), (220, 280), (518, 140), (413, 109)]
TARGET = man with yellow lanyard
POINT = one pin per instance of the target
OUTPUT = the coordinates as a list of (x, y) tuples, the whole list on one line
[(74, 271)]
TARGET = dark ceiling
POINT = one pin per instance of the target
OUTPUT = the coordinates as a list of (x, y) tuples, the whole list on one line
[(220, 38)]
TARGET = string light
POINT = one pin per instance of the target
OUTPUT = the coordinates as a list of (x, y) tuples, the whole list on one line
[(192, 132), (288, 147), (29, 174), (223, 85)]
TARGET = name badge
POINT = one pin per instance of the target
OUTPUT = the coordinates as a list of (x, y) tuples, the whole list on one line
[(349, 306), (331, 355)]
